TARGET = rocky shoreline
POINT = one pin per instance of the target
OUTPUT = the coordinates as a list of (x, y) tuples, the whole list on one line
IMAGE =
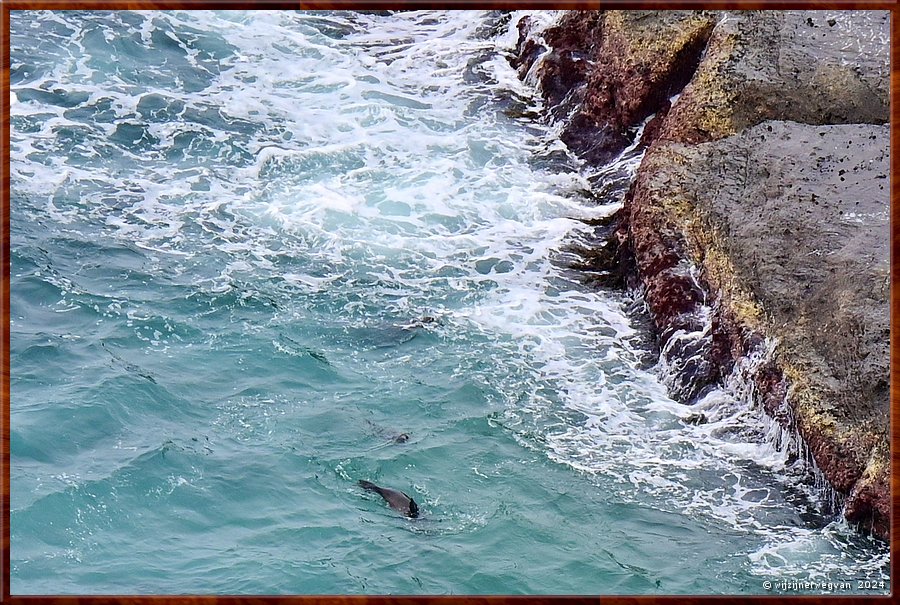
[(758, 221)]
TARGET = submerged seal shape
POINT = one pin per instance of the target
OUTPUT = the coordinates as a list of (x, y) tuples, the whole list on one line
[(397, 500), (388, 434)]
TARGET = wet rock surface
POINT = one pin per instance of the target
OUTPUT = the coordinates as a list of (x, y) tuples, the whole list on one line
[(788, 225), (786, 65), (760, 210), (603, 73)]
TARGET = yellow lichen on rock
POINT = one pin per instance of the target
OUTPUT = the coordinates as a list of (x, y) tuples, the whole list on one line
[(649, 39), (705, 111)]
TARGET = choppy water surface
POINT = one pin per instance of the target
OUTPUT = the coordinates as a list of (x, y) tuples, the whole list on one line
[(250, 249)]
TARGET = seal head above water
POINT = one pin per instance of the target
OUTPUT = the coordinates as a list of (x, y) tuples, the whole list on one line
[(397, 500)]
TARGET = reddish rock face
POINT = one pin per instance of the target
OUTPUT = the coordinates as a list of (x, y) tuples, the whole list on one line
[(677, 302), (773, 391), (603, 80), (840, 461), (595, 141), (869, 506), (634, 79), (574, 45), (527, 49)]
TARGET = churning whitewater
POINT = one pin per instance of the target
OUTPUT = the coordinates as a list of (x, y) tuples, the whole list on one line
[(251, 250)]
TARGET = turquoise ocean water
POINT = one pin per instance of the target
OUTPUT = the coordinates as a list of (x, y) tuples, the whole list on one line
[(250, 249)]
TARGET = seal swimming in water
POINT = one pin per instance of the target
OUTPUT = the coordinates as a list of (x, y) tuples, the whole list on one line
[(397, 500), (387, 434)]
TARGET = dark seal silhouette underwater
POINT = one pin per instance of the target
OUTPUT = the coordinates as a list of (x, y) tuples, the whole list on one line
[(397, 500)]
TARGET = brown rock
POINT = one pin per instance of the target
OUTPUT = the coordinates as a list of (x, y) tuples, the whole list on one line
[(605, 72), (792, 247), (775, 65), (759, 211), (869, 503)]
